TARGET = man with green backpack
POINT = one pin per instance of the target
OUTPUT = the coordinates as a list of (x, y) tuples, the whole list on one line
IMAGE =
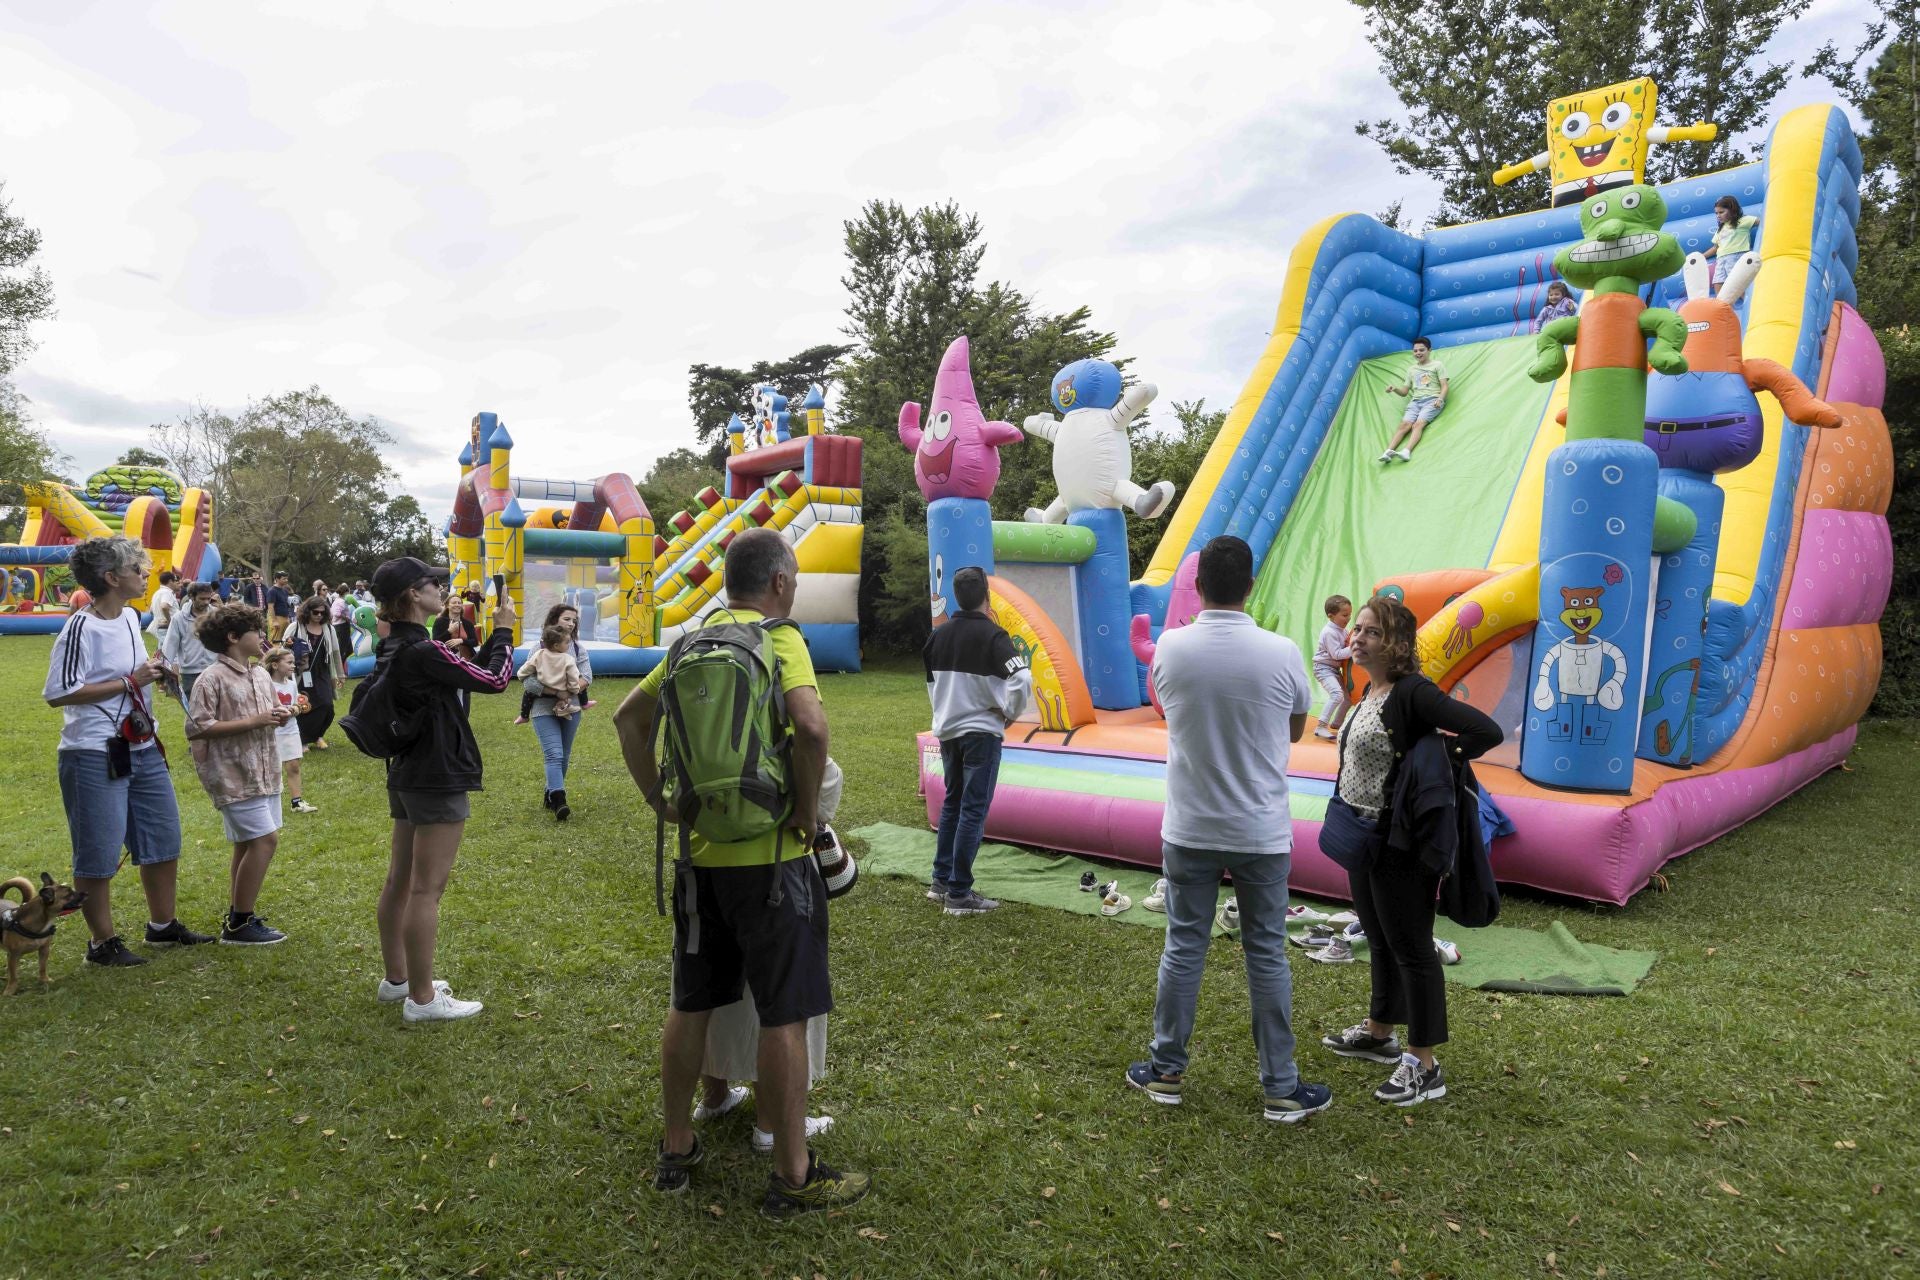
[(728, 741)]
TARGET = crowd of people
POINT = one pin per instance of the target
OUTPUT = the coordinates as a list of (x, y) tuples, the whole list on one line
[(751, 988)]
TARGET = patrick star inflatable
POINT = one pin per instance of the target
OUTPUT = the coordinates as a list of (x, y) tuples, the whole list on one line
[(957, 453), (1183, 606), (1092, 460)]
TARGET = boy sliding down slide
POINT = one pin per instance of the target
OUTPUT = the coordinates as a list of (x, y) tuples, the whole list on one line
[(1426, 389)]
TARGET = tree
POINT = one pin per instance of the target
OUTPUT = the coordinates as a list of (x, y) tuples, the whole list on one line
[(1475, 81), (672, 481), (1880, 77), (140, 457), (912, 285), (716, 393), (26, 455), (382, 527), (289, 470), (26, 291)]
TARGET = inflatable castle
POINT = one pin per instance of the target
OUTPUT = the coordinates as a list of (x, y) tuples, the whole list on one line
[(1649, 540), (639, 586), (173, 522)]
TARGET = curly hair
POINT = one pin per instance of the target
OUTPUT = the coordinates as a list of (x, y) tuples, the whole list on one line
[(1397, 630), (93, 559), (222, 622)]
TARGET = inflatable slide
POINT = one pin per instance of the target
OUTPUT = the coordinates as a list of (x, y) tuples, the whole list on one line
[(1721, 555)]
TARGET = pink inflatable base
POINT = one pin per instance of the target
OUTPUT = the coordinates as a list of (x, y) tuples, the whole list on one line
[(1600, 852)]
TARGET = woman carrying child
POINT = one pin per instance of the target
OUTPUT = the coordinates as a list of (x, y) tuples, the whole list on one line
[(232, 718), (543, 698)]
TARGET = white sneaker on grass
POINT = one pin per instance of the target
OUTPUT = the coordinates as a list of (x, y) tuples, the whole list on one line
[(735, 1096), (763, 1141), (1228, 917), (1156, 899), (442, 1008), (394, 992)]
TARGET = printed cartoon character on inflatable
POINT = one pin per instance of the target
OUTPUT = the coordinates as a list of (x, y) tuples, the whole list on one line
[(956, 454), (1597, 141), (1182, 607), (1092, 459)]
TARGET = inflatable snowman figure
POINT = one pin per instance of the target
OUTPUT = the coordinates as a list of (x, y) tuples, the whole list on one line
[(1092, 461)]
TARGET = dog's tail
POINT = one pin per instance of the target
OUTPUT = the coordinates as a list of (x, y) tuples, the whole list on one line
[(24, 885)]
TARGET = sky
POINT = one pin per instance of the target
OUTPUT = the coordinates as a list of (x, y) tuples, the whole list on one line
[(551, 210)]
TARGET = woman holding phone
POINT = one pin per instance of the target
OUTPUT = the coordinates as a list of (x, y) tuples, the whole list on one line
[(321, 672), (428, 781)]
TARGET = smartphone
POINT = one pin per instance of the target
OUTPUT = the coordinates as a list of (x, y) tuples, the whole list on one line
[(499, 587)]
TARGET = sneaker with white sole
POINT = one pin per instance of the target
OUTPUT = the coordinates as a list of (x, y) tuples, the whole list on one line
[(1339, 951), (1164, 1090), (442, 1008), (1405, 455), (1357, 1042), (1313, 937), (394, 992), (969, 903), (301, 806), (1388, 456), (937, 891), (1114, 903), (763, 1141), (1156, 900), (735, 1096), (251, 932), (1340, 919), (1326, 733), (1448, 952), (1305, 1100), (1412, 1084), (1228, 917), (1305, 915)]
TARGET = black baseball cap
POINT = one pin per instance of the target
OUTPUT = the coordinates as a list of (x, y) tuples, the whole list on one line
[(396, 576)]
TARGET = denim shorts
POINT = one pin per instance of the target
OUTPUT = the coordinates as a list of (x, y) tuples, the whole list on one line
[(1421, 411), (104, 815), (251, 818), (427, 808)]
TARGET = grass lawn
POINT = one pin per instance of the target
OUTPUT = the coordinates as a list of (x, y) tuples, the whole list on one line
[(1749, 1112)]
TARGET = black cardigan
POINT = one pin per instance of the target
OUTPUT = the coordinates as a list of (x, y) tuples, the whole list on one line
[(1416, 706)]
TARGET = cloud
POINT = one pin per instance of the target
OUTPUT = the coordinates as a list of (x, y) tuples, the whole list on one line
[(550, 211)]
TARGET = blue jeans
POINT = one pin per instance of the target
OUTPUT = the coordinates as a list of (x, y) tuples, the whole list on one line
[(556, 746), (971, 766), (1193, 886), (137, 813)]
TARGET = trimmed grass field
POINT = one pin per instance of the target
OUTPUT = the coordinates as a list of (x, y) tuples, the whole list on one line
[(1749, 1112)]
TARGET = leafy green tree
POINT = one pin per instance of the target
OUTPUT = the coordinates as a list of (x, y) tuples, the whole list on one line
[(1475, 80), (672, 481), (384, 525), (26, 455), (1880, 77), (140, 457), (26, 291), (912, 288), (285, 472), (716, 393)]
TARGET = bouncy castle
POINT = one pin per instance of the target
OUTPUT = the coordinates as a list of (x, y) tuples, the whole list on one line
[(639, 586), (1649, 540), (173, 522)]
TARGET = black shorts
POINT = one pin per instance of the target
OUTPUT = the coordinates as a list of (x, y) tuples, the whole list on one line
[(725, 934)]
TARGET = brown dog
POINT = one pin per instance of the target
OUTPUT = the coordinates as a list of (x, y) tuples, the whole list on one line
[(29, 926)]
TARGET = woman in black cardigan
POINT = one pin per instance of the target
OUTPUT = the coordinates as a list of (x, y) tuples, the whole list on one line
[(1394, 889)]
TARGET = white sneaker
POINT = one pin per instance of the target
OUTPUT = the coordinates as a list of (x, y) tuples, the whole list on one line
[(1404, 456), (1305, 915), (1388, 456), (1324, 732), (394, 992), (1448, 952), (1343, 918), (763, 1141), (735, 1096), (442, 1008), (1157, 899), (1114, 903), (1339, 951), (1229, 916)]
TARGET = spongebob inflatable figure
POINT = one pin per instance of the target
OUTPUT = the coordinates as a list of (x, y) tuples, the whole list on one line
[(1597, 140)]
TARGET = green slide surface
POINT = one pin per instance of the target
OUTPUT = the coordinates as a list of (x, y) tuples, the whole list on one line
[(1358, 520)]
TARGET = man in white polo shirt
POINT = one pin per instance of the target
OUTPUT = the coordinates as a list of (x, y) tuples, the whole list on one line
[(1236, 698)]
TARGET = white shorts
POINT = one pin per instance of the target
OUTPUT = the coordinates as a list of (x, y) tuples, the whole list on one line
[(289, 746), (251, 819)]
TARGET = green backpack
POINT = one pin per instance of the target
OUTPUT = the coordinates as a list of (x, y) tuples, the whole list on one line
[(724, 740)]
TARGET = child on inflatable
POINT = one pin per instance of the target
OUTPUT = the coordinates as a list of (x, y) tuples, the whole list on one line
[(1334, 649), (1426, 391)]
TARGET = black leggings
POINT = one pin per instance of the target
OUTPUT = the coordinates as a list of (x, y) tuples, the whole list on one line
[(1394, 899)]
